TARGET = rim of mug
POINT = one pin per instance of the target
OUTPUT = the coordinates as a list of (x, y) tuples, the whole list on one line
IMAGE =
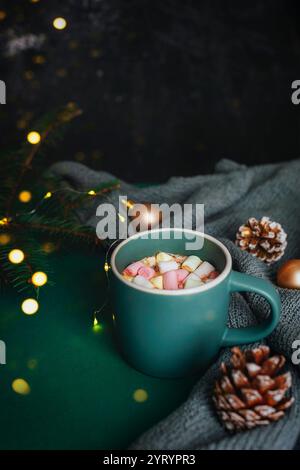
[(191, 290)]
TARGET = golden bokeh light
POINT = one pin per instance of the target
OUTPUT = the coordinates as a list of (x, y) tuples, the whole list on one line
[(16, 256), (59, 23), (5, 238), (39, 278), (140, 395), (21, 387), (33, 137), (25, 196), (30, 306)]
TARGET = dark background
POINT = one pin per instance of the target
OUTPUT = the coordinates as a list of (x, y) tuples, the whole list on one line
[(166, 87)]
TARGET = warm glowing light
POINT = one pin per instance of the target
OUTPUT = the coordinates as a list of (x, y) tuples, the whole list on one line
[(92, 192), (47, 195), (140, 395), (4, 221), (33, 137), (39, 279), (16, 256), (2, 15), (30, 306), (128, 203), (25, 196), (4, 238), (49, 247), (21, 386), (97, 327), (106, 267), (59, 23)]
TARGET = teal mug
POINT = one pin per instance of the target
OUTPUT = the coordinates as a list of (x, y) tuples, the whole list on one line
[(167, 333)]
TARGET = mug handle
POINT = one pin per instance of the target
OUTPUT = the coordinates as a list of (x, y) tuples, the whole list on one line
[(240, 282)]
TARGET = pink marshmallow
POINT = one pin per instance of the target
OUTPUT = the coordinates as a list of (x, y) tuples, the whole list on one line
[(133, 268), (181, 275), (170, 280), (146, 272)]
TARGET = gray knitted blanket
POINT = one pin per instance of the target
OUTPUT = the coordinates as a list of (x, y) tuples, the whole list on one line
[(231, 195)]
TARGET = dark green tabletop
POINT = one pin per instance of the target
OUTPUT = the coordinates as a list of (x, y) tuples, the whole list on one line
[(81, 390)]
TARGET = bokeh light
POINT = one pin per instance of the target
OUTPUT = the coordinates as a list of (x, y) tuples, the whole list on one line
[(25, 196), (33, 137), (39, 278), (5, 238), (16, 256), (140, 395), (21, 387), (59, 23), (30, 306)]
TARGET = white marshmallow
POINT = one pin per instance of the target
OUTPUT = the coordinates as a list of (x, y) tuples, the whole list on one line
[(165, 266), (191, 263), (163, 257), (149, 261), (204, 269), (193, 283), (157, 282), (142, 281)]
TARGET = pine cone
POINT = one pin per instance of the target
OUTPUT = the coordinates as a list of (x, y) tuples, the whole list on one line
[(250, 392), (262, 238)]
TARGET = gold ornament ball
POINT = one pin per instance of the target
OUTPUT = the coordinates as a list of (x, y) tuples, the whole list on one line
[(288, 275)]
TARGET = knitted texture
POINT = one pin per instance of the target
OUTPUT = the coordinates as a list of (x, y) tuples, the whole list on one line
[(231, 195)]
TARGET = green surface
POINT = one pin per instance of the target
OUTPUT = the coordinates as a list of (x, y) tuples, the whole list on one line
[(81, 389)]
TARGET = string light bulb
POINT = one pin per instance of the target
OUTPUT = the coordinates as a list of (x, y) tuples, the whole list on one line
[(16, 256), (39, 279), (25, 196), (30, 306), (106, 266), (48, 195), (92, 192), (59, 23), (95, 322), (33, 137), (4, 221)]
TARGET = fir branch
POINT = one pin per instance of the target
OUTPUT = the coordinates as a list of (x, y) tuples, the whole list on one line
[(64, 115)]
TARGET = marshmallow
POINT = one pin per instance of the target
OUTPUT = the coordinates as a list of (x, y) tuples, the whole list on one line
[(157, 282), (191, 263), (133, 268), (181, 274), (141, 281), (170, 280), (204, 269), (146, 272), (213, 275), (128, 278), (191, 282), (179, 258), (163, 257), (165, 266), (149, 261)]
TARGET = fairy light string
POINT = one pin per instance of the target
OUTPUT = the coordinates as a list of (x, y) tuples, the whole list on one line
[(38, 279)]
